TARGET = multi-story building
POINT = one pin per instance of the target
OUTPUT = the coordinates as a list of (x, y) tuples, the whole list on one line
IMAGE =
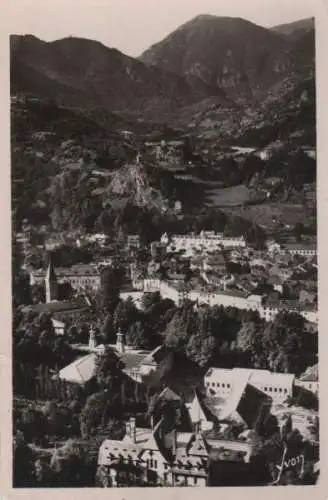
[(228, 298), (206, 240), (146, 455), (220, 382), (305, 250), (80, 276), (155, 457)]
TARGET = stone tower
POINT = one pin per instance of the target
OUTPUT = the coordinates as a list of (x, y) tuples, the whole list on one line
[(51, 282)]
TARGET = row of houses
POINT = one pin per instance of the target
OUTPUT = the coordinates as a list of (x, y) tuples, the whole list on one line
[(208, 240), (292, 249), (238, 299)]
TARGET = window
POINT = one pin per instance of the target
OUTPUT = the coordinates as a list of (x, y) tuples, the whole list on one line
[(275, 389), (223, 385), (285, 391), (280, 389), (213, 384), (265, 389), (165, 476), (165, 466), (155, 464), (218, 384), (195, 480), (270, 389)]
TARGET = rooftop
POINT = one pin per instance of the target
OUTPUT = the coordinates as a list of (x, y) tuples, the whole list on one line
[(132, 359), (157, 355), (198, 410), (76, 270), (300, 246), (127, 447), (248, 374), (59, 306), (80, 371), (310, 375)]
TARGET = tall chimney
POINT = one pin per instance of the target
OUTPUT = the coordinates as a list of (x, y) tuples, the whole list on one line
[(174, 443), (92, 339), (128, 429), (133, 430), (120, 342)]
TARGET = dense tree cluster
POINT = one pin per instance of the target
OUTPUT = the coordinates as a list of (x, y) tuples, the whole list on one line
[(231, 337)]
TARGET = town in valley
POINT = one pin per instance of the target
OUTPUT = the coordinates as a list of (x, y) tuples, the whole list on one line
[(164, 261)]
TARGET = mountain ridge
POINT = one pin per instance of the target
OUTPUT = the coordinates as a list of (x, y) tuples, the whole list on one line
[(241, 58), (295, 29), (232, 60), (89, 72)]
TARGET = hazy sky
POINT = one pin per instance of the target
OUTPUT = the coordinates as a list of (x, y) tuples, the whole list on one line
[(133, 25)]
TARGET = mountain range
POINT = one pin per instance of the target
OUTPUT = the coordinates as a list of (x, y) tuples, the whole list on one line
[(229, 60), (85, 73)]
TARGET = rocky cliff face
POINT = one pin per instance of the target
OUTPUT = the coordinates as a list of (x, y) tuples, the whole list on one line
[(131, 182)]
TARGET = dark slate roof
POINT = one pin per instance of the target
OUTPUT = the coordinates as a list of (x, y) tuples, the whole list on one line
[(132, 359), (157, 355), (300, 246), (59, 306), (169, 395)]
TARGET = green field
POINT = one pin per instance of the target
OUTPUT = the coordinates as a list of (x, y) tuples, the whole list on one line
[(228, 197), (269, 215)]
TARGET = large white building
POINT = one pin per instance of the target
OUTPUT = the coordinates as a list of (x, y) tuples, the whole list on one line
[(220, 382), (205, 240), (235, 298)]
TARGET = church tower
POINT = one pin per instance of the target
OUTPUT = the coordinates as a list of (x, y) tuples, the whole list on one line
[(51, 282)]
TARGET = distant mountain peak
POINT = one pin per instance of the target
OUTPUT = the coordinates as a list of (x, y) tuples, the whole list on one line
[(236, 56), (296, 29)]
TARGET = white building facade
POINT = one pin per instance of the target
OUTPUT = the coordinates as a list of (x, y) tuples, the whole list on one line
[(220, 382)]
